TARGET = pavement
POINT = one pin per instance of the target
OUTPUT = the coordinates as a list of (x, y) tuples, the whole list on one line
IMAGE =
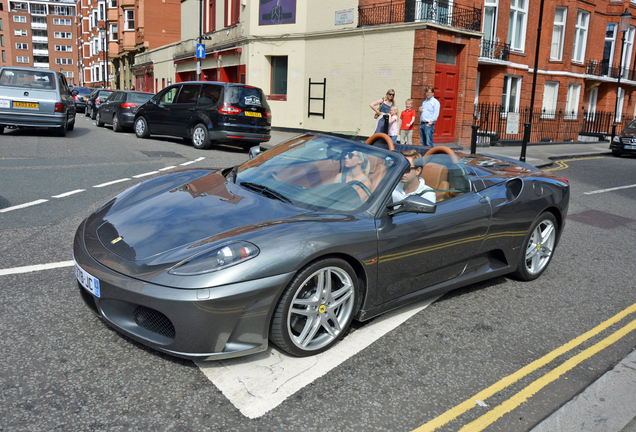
[(608, 404)]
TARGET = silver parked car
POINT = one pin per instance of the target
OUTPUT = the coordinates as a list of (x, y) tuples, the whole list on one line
[(33, 97)]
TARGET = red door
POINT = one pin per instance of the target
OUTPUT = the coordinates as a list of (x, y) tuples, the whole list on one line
[(446, 86)]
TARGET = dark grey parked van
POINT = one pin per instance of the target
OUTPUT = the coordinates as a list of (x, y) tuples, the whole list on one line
[(206, 113)]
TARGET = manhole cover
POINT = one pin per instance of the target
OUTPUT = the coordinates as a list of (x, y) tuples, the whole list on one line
[(599, 219), (162, 154)]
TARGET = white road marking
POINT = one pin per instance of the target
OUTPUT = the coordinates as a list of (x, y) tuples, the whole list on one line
[(68, 193), (146, 174), (111, 183), (258, 383), (608, 190), (187, 163), (28, 269), (29, 204), (167, 168)]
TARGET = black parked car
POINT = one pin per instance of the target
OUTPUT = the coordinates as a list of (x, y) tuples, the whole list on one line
[(206, 112), (96, 98), (83, 93), (120, 108), (625, 142)]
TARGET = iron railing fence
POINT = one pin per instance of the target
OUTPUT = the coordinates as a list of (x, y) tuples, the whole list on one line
[(495, 50), (547, 126), (602, 68), (439, 11)]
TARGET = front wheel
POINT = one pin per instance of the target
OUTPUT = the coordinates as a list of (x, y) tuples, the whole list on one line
[(200, 139), (616, 153), (538, 248), (141, 128), (316, 309)]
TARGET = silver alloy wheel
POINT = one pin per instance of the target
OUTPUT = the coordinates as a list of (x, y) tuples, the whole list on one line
[(115, 123), (198, 137), (540, 247), (321, 307), (140, 127)]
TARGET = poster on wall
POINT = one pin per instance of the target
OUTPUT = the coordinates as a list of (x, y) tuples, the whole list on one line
[(277, 12)]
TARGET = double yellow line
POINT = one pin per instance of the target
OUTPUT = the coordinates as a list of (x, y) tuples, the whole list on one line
[(522, 396), (561, 164)]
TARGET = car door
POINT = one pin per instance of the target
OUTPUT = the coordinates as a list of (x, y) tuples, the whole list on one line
[(158, 114), (106, 109), (183, 110), (420, 250)]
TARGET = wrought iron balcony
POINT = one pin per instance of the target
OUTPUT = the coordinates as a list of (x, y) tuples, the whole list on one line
[(495, 50), (604, 69), (438, 11)]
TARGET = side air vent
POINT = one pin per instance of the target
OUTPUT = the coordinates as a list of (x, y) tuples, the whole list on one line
[(513, 188), (154, 321)]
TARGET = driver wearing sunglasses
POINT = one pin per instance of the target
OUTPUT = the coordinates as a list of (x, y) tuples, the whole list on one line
[(356, 171), (411, 182)]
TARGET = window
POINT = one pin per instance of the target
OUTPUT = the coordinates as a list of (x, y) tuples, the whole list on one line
[(279, 75), (211, 24), (591, 103), (20, 6), (37, 9), (101, 11), (20, 32), (517, 24), (1, 26), (572, 102), (63, 48), (490, 20), (558, 33), (550, 95), (64, 61), (21, 46), (511, 92), (231, 12), (64, 10), (168, 96), (621, 99), (1, 40), (113, 4), (608, 48), (19, 18), (129, 19), (21, 59), (62, 21), (628, 48), (580, 36), (38, 20), (4, 57), (113, 32), (63, 35), (68, 74)]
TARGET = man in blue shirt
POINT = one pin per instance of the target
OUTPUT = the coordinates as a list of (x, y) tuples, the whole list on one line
[(429, 113)]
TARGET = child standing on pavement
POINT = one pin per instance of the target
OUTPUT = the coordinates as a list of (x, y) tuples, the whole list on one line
[(408, 118), (393, 124)]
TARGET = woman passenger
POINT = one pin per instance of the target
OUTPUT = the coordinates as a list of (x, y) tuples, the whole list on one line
[(356, 168)]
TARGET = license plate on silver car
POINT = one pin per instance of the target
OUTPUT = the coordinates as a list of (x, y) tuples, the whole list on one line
[(91, 283), (630, 147)]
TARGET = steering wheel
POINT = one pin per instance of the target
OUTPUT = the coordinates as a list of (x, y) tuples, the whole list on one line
[(440, 149), (381, 136), (364, 187)]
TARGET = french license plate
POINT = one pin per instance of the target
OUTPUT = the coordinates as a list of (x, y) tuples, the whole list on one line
[(252, 114), (91, 283), (4, 103), (33, 105), (630, 147)]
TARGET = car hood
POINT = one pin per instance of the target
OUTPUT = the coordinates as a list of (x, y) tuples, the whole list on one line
[(170, 218)]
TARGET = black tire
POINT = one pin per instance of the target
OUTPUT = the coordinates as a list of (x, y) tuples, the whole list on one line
[(328, 312), (98, 120), (93, 113), (116, 125), (141, 128), (1, 130), (71, 126), (61, 131), (87, 112), (616, 153), (538, 248), (200, 138)]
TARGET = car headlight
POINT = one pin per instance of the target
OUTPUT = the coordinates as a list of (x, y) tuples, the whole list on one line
[(617, 138), (215, 259)]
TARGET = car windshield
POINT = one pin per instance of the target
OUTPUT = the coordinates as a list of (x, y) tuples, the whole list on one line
[(27, 79), (319, 173), (83, 90), (139, 98)]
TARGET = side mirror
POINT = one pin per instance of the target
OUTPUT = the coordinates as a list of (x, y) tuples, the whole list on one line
[(254, 151), (75, 92), (412, 204)]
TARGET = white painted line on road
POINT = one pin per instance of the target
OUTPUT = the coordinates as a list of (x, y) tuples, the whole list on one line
[(167, 168), (146, 174), (33, 268), (258, 383), (111, 183), (191, 162), (29, 204), (65, 194), (608, 190)]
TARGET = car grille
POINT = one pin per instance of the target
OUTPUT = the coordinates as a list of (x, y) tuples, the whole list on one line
[(154, 321), (627, 140)]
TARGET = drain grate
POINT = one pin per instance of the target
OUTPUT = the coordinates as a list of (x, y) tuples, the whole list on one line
[(600, 219), (162, 154)]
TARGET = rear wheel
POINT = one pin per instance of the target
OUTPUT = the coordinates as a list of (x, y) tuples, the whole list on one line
[(98, 119), (141, 128), (316, 309), (71, 125), (93, 113), (538, 248), (1, 130), (116, 125), (61, 131), (200, 139)]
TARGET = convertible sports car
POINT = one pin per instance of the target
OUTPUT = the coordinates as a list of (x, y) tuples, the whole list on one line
[(210, 264)]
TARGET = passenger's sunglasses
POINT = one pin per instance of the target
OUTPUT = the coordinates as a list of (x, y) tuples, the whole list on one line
[(391, 94), (413, 168), (350, 155)]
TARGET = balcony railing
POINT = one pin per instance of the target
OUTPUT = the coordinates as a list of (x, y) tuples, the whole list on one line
[(38, 26), (438, 11), (604, 69), (39, 52), (495, 50)]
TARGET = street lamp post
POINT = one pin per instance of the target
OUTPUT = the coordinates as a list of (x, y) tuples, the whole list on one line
[(104, 34), (626, 18)]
